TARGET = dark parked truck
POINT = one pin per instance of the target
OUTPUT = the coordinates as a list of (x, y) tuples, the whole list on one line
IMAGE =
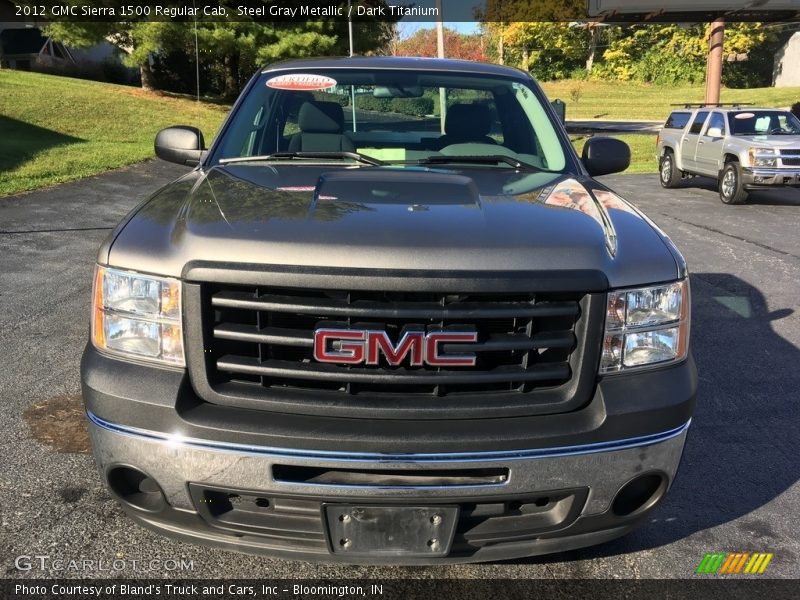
[(389, 318)]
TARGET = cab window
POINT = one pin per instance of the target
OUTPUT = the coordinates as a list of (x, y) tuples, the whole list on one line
[(678, 120), (699, 121), (716, 120)]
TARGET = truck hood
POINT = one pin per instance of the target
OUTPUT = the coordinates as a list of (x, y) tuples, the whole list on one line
[(773, 141), (407, 218)]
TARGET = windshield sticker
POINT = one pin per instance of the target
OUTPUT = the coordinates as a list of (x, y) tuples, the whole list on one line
[(301, 82), (744, 115)]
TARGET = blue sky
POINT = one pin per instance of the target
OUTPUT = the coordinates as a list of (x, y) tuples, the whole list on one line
[(409, 28)]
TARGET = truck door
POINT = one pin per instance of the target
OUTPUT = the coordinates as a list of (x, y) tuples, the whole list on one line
[(690, 139), (709, 146)]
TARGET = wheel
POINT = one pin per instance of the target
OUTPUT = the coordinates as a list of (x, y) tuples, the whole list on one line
[(669, 174), (731, 190)]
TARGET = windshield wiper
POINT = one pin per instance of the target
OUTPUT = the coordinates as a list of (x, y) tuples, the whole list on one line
[(489, 159), (362, 158)]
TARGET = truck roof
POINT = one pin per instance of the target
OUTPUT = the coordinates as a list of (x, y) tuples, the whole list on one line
[(398, 62), (726, 109)]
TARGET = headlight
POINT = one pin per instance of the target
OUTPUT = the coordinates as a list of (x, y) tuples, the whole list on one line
[(646, 326), (137, 315), (762, 157)]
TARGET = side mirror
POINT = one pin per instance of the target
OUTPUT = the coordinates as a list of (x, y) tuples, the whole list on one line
[(605, 155), (714, 132), (181, 144)]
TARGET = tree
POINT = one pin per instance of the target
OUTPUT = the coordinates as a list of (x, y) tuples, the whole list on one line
[(548, 50), (137, 40), (456, 45), (234, 48), (243, 46), (672, 53)]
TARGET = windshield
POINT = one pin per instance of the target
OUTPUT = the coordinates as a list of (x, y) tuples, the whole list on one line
[(764, 122), (394, 116)]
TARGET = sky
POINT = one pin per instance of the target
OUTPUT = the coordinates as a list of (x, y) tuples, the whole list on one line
[(410, 28), (462, 10)]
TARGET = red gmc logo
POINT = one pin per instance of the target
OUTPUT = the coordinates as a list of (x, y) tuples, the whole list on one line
[(363, 346)]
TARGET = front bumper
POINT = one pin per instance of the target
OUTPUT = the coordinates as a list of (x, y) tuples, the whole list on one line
[(549, 501), (768, 177), (213, 478)]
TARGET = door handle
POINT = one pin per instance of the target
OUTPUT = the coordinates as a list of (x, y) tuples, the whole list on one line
[(701, 142)]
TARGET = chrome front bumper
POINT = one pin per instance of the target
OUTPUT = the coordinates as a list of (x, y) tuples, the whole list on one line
[(771, 177), (180, 465)]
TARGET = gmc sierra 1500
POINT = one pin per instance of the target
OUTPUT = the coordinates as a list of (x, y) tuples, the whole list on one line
[(389, 317)]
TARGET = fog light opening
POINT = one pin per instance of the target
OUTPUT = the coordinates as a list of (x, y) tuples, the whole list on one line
[(639, 494), (136, 489)]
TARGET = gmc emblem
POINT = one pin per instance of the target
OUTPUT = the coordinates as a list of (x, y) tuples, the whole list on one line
[(364, 346)]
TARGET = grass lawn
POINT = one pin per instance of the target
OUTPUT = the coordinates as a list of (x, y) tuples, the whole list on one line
[(618, 100), (55, 129), (643, 150)]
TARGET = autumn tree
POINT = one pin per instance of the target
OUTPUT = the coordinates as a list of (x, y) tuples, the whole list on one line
[(500, 20), (671, 53), (549, 50), (552, 41), (456, 45)]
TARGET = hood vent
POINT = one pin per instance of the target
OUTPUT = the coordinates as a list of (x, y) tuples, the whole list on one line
[(407, 187)]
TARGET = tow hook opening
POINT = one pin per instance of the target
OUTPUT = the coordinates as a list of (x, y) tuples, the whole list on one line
[(639, 494), (137, 489)]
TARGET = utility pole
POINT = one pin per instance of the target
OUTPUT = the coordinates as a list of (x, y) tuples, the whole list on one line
[(350, 24), (196, 53), (716, 43), (439, 30), (440, 54), (350, 34)]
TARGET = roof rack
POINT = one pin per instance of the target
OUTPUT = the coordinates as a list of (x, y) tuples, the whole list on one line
[(705, 104)]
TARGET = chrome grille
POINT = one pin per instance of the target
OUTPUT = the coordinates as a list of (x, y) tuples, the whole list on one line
[(263, 337), (790, 157)]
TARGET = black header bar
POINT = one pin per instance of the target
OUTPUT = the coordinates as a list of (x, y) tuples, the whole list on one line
[(609, 11)]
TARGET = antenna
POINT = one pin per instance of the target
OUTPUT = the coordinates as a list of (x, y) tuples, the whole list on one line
[(196, 52)]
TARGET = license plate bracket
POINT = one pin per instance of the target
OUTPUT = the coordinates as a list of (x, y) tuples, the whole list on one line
[(410, 531)]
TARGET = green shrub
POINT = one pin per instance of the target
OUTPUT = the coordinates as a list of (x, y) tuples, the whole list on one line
[(552, 64), (373, 103), (341, 99), (417, 107), (664, 68), (579, 74)]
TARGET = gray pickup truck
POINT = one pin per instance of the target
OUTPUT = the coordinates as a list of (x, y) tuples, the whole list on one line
[(366, 329), (742, 148)]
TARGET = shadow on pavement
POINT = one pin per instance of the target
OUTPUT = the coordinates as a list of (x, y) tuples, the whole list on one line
[(785, 196), (742, 450), (22, 141)]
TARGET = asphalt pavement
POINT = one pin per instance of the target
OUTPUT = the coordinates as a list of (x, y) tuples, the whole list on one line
[(737, 489)]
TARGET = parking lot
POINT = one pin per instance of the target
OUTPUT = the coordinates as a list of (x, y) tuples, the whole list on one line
[(737, 491)]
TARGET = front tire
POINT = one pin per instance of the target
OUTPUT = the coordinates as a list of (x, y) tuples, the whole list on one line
[(731, 190), (669, 174)]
